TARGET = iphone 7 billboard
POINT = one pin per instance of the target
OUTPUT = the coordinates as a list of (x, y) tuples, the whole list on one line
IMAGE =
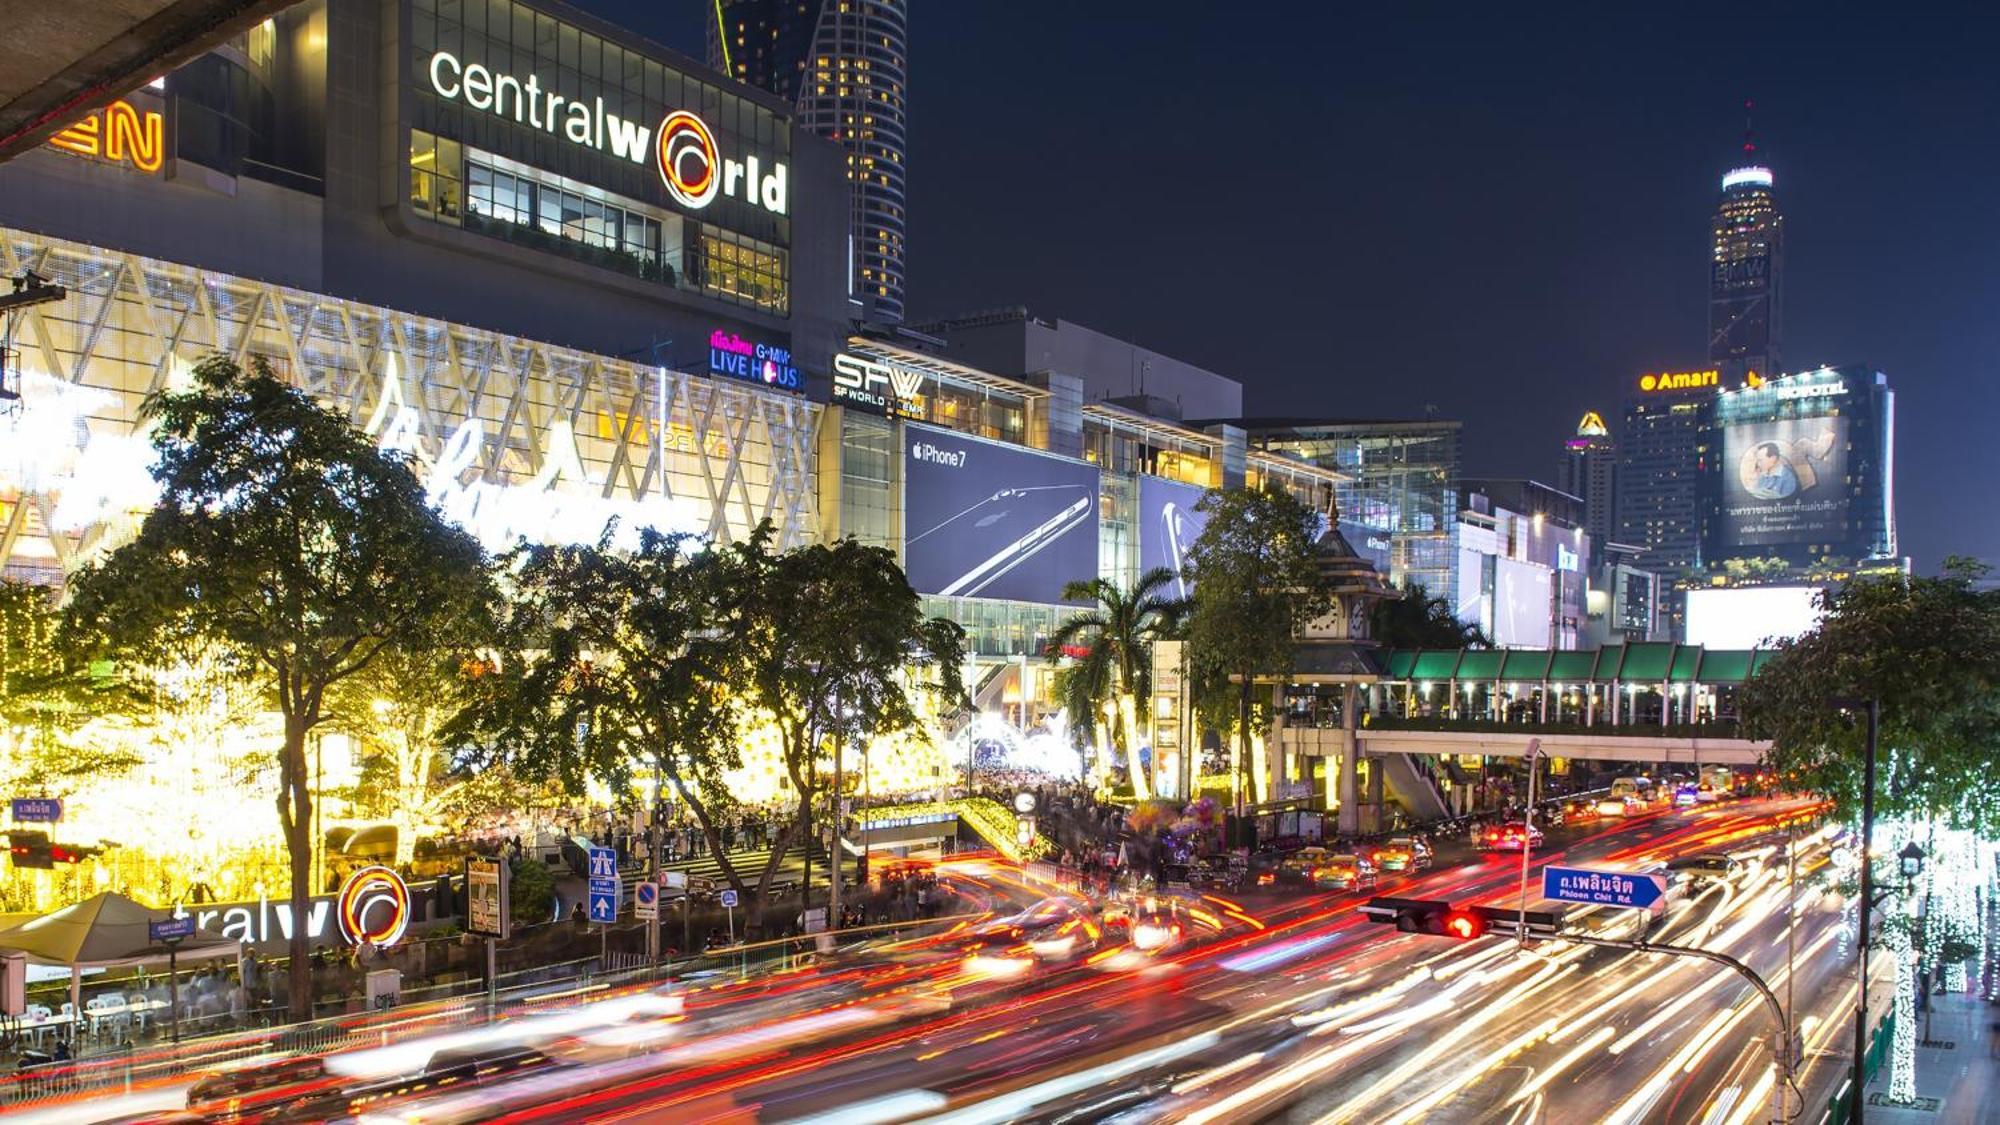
[(986, 520)]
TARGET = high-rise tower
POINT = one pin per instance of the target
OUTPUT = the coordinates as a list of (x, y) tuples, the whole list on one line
[(1746, 273), (843, 63), (1589, 472)]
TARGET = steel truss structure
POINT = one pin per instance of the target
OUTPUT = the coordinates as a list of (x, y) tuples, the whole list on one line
[(512, 435)]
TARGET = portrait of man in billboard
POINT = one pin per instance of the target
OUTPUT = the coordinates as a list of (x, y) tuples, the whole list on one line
[(1768, 475)]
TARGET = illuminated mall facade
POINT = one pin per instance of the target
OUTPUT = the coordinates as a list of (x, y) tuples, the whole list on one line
[(578, 278)]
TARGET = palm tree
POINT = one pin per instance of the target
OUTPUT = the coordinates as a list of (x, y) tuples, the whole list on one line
[(1117, 642)]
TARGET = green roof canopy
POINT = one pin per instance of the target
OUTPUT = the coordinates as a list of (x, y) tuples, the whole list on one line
[(1398, 665), (1436, 664), (1480, 664), (1687, 661), (1573, 665), (1725, 666), (1525, 664), (1644, 660)]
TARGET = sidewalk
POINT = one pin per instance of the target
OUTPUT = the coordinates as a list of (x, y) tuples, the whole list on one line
[(1958, 1077)]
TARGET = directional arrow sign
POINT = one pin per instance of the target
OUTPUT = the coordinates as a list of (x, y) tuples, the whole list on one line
[(603, 908), (1605, 888)]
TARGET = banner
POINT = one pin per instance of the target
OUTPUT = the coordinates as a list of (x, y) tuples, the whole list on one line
[(985, 520), (1168, 525), (1784, 481)]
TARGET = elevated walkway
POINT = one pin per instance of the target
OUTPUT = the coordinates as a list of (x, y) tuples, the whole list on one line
[(1609, 746)]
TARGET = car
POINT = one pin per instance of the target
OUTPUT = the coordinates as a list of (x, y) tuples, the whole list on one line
[(223, 1085), (1055, 929), (1511, 838), (1404, 853), (1347, 872), (1298, 866), (1617, 806), (1577, 812), (1157, 931), (1708, 865), (1686, 797), (1215, 873)]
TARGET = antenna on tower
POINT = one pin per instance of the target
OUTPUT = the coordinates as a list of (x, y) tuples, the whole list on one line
[(1749, 131)]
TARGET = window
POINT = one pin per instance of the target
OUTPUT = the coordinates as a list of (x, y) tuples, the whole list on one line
[(435, 166)]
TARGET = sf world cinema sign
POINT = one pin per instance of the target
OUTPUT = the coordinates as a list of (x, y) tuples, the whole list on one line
[(681, 147)]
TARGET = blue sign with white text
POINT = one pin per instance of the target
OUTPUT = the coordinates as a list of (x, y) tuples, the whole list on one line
[(1605, 888), (604, 888), (43, 810), (173, 929)]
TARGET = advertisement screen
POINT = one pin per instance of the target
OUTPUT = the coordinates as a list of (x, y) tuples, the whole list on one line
[(1168, 526), (1520, 604), (984, 520), (1750, 616), (1784, 481)]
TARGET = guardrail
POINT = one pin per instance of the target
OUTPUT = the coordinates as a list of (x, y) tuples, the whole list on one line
[(546, 987), (1722, 728)]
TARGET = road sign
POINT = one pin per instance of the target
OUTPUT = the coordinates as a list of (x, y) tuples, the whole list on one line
[(729, 899), (37, 810), (674, 880), (603, 863), (604, 900), (1606, 888), (646, 902), (172, 929)]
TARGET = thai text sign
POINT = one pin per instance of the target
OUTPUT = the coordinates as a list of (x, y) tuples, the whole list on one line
[(1605, 888)]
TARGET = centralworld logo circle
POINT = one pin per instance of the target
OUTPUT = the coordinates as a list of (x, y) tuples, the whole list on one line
[(689, 160), (374, 906)]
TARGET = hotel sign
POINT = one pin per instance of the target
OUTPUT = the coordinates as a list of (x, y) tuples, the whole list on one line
[(1680, 381), (681, 146)]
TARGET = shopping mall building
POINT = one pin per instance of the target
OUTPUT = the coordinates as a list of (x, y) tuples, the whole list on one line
[(579, 278)]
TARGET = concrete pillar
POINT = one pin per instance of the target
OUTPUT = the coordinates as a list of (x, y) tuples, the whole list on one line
[(1274, 753), (1376, 794)]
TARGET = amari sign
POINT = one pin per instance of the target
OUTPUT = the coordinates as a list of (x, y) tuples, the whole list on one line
[(680, 145)]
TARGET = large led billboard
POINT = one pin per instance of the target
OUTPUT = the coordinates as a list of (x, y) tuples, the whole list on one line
[(986, 520), (1750, 616), (1168, 526), (1784, 481), (1521, 593)]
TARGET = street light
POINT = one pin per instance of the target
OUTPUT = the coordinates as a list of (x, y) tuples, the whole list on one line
[(1911, 859)]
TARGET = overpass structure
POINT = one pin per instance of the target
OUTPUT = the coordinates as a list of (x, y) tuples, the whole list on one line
[(1416, 723)]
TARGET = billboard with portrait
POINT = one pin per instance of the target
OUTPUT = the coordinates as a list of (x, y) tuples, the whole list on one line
[(1168, 526), (1784, 481), (986, 520)]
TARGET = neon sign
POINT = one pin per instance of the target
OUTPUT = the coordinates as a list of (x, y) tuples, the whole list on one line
[(737, 358), (690, 163), (1680, 380), (374, 907), (119, 134), (884, 388)]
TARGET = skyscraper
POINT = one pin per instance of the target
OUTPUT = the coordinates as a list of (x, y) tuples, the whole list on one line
[(1589, 471), (843, 63), (1660, 457), (1746, 274)]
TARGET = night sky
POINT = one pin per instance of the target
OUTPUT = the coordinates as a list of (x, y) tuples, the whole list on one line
[(1361, 210)]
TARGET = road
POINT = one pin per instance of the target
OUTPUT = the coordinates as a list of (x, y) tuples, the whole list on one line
[(1280, 1007)]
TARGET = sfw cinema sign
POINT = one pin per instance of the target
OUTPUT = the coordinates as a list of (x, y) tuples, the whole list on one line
[(683, 148), (877, 387)]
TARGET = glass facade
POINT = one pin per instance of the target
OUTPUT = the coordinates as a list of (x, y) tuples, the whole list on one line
[(870, 491), (503, 175), (1403, 480), (1660, 458)]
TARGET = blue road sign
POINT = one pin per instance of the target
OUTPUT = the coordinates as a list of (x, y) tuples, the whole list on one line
[(729, 899), (603, 900), (32, 810), (1606, 888), (603, 863), (172, 929)]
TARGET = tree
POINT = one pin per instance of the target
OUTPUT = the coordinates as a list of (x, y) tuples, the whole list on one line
[(1257, 585), (1117, 642), (835, 649), (1083, 687), (1928, 648), (288, 540), (616, 664), (45, 698), (1419, 620)]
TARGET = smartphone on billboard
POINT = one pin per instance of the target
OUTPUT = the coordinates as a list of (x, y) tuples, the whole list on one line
[(980, 544), (1173, 538)]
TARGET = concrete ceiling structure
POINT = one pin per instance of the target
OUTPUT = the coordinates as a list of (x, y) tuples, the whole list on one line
[(63, 59)]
